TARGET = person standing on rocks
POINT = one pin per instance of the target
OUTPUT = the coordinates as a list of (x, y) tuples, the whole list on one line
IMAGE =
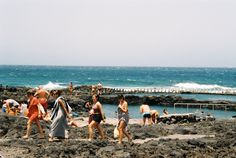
[(70, 88), (99, 89), (146, 112), (97, 116), (59, 127), (33, 114), (123, 118)]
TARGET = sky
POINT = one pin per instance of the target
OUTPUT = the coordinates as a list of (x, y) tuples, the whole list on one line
[(166, 33)]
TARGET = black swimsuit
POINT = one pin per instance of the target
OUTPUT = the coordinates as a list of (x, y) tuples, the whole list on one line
[(97, 116)]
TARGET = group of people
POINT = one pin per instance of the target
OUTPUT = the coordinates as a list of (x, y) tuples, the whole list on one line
[(60, 117), (37, 109), (96, 115), (150, 116)]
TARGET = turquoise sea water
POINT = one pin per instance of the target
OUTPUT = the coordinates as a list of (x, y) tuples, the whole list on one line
[(144, 77), (126, 77), (134, 111), (117, 76)]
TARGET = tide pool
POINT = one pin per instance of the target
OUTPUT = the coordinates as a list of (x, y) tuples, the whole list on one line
[(110, 111)]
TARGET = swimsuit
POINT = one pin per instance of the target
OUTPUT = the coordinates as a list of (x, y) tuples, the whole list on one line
[(97, 116), (146, 115), (123, 116)]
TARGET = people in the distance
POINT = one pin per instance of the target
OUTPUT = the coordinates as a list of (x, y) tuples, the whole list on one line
[(165, 112), (99, 89), (146, 112)]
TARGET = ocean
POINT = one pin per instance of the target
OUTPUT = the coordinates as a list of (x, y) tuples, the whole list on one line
[(125, 77)]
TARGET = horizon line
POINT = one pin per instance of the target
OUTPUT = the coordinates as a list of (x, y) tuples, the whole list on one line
[(135, 66)]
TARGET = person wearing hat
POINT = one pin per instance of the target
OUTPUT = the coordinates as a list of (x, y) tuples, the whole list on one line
[(33, 114)]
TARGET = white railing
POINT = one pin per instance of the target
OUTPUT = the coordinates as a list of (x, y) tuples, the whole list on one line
[(202, 105)]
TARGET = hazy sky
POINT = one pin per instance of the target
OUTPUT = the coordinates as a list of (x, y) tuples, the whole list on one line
[(118, 32)]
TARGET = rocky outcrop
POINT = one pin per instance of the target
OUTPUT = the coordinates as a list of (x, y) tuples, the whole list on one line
[(83, 94), (223, 144)]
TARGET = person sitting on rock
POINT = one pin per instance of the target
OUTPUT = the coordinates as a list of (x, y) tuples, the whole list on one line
[(146, 112), (11, 106)]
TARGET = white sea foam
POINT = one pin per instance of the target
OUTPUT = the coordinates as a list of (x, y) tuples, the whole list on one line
[(197, 86), (183, 87), (50, 86)]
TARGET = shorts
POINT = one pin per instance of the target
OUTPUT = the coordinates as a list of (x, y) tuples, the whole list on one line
[(146, 115), (4, 109), (97, 118)]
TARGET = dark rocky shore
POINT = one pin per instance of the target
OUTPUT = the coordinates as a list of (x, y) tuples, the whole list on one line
[(223, 144), (83, 93)]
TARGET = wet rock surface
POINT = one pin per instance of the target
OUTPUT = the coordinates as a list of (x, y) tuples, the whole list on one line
[(222, 145)]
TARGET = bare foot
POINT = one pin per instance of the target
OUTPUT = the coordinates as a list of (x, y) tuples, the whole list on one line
[(50, 139), (25, 137), (41, 136)]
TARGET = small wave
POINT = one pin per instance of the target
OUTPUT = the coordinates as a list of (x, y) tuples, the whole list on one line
[(50, 86), (182, 88), (200, 86), (132, 80)]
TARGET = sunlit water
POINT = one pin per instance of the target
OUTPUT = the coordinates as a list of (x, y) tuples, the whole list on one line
[(110, 111)]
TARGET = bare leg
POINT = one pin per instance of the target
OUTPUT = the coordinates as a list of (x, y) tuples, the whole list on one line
[(127, 135), (144, 120), (99, 128), (121, 129), (28, 131), (90, 129), (40, 129)]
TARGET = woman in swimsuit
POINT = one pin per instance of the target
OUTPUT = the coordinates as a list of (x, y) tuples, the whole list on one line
[(97, 117), (123, 118)]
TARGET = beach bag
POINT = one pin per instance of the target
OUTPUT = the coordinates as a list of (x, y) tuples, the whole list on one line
[(116, 132), (41, 109)]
